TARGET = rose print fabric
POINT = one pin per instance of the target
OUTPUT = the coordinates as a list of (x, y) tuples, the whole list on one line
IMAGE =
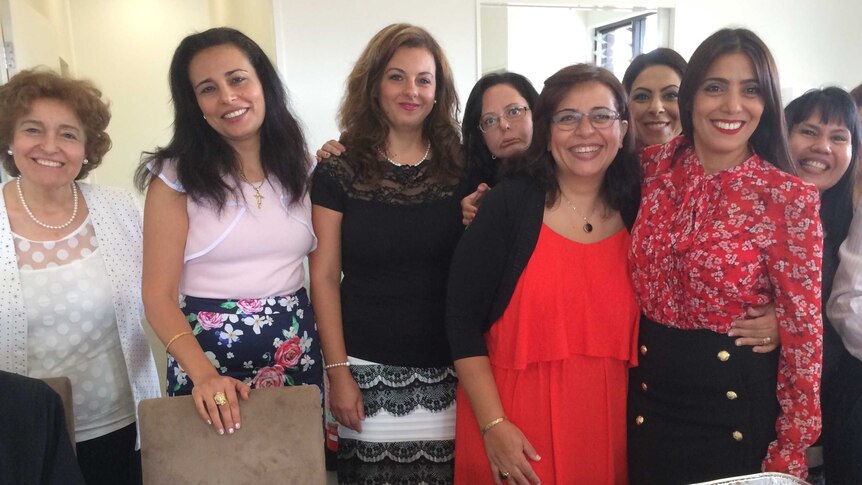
[(266, 342), (707, 246)]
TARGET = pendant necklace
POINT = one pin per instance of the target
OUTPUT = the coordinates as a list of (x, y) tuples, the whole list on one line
[(37, 221), (257, 196), (427, 151), (587, 227)]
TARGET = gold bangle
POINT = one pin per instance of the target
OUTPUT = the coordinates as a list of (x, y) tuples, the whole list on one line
[(493, 423), (175, 337)]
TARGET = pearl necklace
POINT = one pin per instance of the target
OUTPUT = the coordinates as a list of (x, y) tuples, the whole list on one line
[(587, 227), (37, 221), (427, 151)]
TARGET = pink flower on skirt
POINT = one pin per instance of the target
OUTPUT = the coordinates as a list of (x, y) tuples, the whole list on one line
[(269, 377), (288, 353), (250, 306), (210, 320)]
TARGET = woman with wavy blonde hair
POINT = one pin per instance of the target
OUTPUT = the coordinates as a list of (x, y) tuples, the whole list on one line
[(386, 216)]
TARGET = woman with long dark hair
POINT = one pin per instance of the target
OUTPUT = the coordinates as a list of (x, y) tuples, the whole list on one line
[(228, 226), (824, 135), (724, 225)]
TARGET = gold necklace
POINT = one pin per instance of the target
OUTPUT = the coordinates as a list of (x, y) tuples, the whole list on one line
[(258, 197), (587, 227)]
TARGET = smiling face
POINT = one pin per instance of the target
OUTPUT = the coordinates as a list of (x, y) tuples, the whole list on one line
[(508, 137), (821, 151), (653, 105), (228, 92), (726, 110), (407, 88), (586, 152), (48, 144)]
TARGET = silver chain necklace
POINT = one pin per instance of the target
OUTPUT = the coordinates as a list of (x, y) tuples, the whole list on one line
[(427, 151), (37, 221), (587, 227)]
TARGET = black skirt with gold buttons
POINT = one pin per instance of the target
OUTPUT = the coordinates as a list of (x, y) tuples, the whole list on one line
[(700, 408)]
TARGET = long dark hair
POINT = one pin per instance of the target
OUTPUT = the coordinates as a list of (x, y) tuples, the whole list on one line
[(620, 187), (657, 57), (202, 156), (769, 140), (479, 158), (834, 105)]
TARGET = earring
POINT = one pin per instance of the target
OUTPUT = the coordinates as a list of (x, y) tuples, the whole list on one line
[(435, 101), (86, 161), (205, 116), (493, 157), (9, 151)]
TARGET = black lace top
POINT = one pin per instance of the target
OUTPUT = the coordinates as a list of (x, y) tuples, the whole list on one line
[(397, 239)]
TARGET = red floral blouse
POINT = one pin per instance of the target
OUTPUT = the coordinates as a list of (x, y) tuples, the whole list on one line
[(706, 247)]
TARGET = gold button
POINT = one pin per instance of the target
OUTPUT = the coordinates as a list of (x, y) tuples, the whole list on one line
[(731, 395), (639, 420), (644, 386), (737, 436), (643, 349), (723, 356)]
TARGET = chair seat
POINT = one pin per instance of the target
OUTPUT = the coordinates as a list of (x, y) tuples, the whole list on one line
[(281, 441)]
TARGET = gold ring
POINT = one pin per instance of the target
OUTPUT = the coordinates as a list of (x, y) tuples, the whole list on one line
[(504, 475), (220, 399), (766, 341)]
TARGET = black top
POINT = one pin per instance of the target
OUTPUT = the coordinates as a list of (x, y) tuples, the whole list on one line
[(34, 445), (397, 239), (489, 261)]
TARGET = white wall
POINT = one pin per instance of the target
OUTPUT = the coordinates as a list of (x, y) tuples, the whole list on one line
[(318, 43), (543, 40), (814, 43), (494, 28), (126, 48)]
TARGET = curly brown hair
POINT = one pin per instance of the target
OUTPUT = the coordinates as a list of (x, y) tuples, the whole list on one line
[(82, 97), (364, 122)]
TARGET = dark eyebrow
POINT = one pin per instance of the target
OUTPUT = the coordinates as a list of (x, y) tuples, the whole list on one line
[(227, 74)]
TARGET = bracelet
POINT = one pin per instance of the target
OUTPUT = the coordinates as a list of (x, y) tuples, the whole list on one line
[(175, 337), (337, 364), (493, 423)]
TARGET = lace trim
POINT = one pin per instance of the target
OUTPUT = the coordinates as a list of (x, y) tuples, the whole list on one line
[(403, 452), (400, 390), (399, 185), (367, 376)]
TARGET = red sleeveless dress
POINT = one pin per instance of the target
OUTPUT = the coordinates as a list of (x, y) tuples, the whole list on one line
[(560, 356)]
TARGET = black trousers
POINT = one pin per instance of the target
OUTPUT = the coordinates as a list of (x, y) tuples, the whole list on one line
[(842, 423), (111, 459), (700, 408)]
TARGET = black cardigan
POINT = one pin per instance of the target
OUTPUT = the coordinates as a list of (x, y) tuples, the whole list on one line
[(490, 258)]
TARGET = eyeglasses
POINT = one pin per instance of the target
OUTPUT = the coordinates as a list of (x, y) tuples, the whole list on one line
[(511, 113), (569, 119)]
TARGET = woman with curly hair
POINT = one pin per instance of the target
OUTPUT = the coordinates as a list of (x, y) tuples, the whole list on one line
[(70, 268), (386, 215)]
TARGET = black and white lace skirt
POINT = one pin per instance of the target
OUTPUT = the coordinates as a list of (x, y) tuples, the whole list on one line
[(408, 436)]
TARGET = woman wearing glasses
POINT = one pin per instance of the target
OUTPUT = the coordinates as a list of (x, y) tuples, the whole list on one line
[(541, 315)]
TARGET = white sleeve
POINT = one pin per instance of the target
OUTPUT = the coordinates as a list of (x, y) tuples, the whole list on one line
[(845, 303)]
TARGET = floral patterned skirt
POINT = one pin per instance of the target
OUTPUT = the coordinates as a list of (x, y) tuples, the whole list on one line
[(265, 342)]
